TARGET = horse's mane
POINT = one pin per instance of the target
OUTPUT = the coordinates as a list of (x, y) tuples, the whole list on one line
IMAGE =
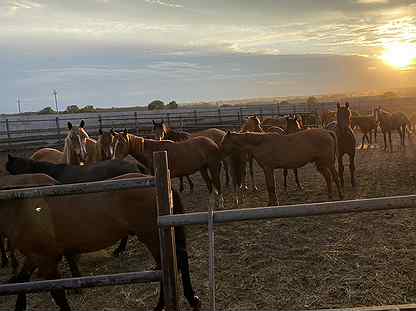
[(136, 143)]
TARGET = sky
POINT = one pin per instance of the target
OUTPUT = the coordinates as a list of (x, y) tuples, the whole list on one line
[(129, 52)]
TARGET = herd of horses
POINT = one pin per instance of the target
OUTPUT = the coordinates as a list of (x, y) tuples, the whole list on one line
[(43, 229)]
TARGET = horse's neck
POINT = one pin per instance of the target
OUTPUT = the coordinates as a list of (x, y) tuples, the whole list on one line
[(251, 139), (136, 144)]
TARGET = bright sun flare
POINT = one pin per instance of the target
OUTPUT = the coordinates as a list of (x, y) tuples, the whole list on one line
[(400, 56)]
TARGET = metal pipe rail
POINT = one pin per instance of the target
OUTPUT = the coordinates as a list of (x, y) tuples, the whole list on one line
[(296, 210), (79, 188), (81, 282)]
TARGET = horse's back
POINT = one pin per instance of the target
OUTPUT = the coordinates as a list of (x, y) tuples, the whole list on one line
[(48, 155), (213, 133), (26, 180)]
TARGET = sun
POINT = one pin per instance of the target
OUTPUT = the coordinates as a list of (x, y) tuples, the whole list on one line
[(400, 56)]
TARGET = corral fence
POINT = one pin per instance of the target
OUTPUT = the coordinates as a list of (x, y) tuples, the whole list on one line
[(31, 131), (167, 221)]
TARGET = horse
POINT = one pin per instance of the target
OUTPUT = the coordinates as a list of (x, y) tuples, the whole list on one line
[(185, 157), (74, 152), (99, 220), (346, 141), (412, 121), (162, 132), (290, 151), (367, 125), (393, 121)]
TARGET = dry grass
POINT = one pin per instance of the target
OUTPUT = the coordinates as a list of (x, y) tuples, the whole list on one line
[(299, 263)]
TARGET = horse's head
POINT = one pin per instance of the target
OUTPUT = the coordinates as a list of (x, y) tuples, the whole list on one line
[(121, 145), (106, 143), (252, 124), (75, 141), (343, 116), (159, 130)]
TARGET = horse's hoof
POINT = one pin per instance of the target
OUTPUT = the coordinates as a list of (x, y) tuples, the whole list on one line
[(196, 303)]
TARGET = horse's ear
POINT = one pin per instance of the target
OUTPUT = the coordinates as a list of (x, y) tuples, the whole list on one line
[(100, 131), (162, 122), (112, 132), (338, 105), (347, 104), (82, 124), (69, 125), (125, 132), (10, 157), (153, 121)]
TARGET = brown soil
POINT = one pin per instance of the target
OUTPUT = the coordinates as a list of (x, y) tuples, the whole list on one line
[(299, 263)]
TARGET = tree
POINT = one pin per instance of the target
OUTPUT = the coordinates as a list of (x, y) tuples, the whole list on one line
[(312, 100), (156, 105), (88, 108), (172, 105), (72, 109), (47, 110)]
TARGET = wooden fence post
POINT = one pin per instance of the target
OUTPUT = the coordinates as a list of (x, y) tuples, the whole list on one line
[(136, 125), (278, 108), (240, 115), (58, 130), (100, 122), (167, 234), (195, 117), (8, 133), (219, 116)]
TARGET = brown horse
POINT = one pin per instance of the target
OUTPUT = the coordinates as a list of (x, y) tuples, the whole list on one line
[(393, 121), (367, 125), (290, 151), (43, 231), (346, 141), (74, 152), (327, 116), (293, 126), (185, 157), (162, 132)]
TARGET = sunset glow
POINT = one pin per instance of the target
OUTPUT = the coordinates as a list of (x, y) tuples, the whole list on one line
[(400, 56)]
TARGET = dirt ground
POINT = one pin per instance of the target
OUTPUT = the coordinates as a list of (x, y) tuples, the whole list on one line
[(298, 263)]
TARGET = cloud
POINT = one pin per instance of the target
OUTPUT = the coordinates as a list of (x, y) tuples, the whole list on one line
[(372, 1), (167, 4), (11, 7)]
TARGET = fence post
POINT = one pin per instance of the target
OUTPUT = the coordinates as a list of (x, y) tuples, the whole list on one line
[(195, 117), (136, 125), (240, 115), (8, 133), (58, 130), (219, 116), (278, 108), (168, 118), (167, 234), (100, 122)]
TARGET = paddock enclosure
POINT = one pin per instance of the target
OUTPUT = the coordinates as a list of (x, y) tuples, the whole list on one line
[(327, 261)]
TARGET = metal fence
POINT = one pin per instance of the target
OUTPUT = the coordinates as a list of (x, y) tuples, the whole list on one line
[(161, 182)]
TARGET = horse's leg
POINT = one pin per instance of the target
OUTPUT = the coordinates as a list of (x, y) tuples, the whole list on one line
[(285, 179), (227, 174), (23, 276), (253, 182), (4, 260), (295, 172), (362, 142), (335, 177), (375, 135), (385, 141), (271, 187), (215, 170), (181, 186), (49, 271), (390, 143), (191, 184), (341, 169), (205, 176), (121, 247), (352, 169), (325, 171)]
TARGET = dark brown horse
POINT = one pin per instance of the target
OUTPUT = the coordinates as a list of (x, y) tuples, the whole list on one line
[(290, 151), (346, 141), (367, 125), (162, 132), (185, 157), (100, 219), (393, 121)]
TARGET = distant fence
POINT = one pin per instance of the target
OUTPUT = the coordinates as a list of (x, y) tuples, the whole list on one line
[(31, 131)]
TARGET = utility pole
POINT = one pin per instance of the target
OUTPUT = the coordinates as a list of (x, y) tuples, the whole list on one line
[(56, 100), (18, 105)]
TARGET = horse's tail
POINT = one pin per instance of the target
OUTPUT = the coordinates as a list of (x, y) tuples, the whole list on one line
[(178, 209)]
